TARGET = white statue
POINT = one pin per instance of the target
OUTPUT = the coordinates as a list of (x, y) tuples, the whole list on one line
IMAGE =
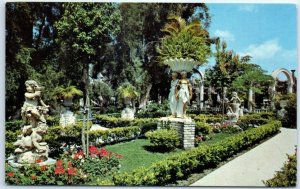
[(183, 95), (172, 98), (234, 106)]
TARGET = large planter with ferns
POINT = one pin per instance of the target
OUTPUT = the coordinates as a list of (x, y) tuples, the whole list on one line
[(127, 93), (185, 45), (66, 94)]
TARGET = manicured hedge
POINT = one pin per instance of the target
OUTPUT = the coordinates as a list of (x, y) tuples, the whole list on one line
[(208, 118), (146, 124), (287, 176), (13, 125), (164, 139), (114, 134), (181, 165)]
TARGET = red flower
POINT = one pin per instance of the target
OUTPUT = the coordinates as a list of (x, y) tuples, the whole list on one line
[(10, 174), (69, 164), (43, 167), (59, 170), (103, 152), (59, 163), (93, 150), (71, 171), (33, 177), (120, 156), (78, 154), (38, 161)]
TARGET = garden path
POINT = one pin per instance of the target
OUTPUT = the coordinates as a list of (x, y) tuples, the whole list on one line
[(256, 165)]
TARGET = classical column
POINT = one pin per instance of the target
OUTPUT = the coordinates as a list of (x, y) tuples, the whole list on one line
[(250, 99), (201, 94), (290, 88)]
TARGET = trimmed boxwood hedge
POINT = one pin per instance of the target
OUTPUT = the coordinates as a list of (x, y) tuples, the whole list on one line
[(181, 165), (115, 134), (112, 122), (287, 176)]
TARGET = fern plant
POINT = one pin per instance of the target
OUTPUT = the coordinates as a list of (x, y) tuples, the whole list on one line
[(67, 92), (184, 40), (127, 91)]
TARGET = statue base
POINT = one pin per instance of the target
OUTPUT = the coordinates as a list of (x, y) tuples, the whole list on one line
[(67, 118), (184, 126), (13, 163)]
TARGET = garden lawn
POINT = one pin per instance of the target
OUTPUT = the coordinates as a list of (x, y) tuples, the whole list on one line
[(135, 154)]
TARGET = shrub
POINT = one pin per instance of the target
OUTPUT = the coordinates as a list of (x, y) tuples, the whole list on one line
[(164, 139), (208, 118), (53, 120), (251, 120), (202, 128), (98, 163), (154, 110), (72, 169), (13, 125), (290, 119), (63, 173), (146, 124), (114, 134), (287, 177), (181, 165)]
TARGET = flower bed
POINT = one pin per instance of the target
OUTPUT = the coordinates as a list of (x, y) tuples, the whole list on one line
[(72, 169), (181, 165)]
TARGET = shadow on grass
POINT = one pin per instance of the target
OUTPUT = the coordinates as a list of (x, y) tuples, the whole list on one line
[(156, 149)]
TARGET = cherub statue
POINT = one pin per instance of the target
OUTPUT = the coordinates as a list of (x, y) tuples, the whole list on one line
[(34, 108)]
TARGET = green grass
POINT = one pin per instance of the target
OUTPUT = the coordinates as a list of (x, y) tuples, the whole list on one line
[(135, 154)]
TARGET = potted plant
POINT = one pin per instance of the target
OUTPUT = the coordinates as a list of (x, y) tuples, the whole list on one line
[(127, 92), (66, 94), (185, 44)]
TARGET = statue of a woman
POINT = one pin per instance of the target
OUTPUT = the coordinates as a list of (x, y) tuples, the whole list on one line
[(183, 95), (172, 98)]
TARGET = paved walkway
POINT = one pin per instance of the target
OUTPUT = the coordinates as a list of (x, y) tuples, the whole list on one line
[(256, 165)]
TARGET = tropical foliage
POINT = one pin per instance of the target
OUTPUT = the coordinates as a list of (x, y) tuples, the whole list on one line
[(184, 40), (66, 92)]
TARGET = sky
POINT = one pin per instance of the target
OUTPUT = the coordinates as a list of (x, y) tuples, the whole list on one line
[(267, 32)]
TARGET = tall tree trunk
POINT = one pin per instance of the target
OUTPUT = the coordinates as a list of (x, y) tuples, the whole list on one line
[(145, 98)]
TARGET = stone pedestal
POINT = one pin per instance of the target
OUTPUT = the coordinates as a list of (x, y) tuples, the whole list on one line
[(127, 113), (12, 162), (184, 126), (67, 118)]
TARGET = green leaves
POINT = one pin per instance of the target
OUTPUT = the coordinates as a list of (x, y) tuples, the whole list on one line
[(181, 165), (287, 176), (164, 139), (184, 41)]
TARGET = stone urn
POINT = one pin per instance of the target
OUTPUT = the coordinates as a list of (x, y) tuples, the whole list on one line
[(68, 101), (181, 64)]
